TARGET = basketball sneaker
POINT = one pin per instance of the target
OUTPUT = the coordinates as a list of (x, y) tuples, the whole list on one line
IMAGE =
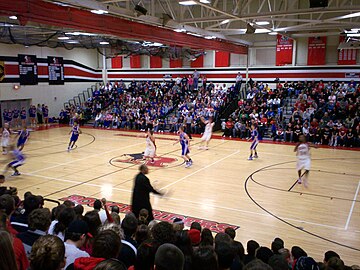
[(250, 158), (256, 156), (187, 164), (15, 174), (299, 181), (305, 182)]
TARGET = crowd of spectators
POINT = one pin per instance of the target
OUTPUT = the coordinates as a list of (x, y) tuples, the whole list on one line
[(36, 238), (159, 105), (135, 106), (208, 102), (326, 113)]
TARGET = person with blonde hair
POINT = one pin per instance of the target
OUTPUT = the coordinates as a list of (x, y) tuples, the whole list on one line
[(5, 138)]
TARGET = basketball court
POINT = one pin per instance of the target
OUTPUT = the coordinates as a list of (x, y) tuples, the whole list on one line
[(258, 198)]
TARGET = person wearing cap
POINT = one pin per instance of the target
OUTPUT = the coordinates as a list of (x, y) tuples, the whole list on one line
[(195, 236), (178, 224), (75, 237)]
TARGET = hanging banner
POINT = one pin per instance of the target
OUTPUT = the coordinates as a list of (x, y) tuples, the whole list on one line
[(198, 62), (28, 69), (116, 62), (346, 56), (176, 63), (56, 70), (284, 50), (2, 70), (222, 59), (135, 61), (316, 51), (155, 62)]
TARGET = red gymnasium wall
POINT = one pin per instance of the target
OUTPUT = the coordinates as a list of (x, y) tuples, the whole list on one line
[(73, 71), (76, 72), (227, 75)]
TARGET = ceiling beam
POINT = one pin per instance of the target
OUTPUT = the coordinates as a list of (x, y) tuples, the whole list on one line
[(151, 20), (244, 17), (38, 11)]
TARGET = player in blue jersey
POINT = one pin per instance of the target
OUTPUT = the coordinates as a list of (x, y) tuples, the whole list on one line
[(254, 143), (185, 146), (23, 116), (18, 160), (9, 117), (16, 120), (75, 131), (5, 116), (45, 111), (32, 115), (23, 135)]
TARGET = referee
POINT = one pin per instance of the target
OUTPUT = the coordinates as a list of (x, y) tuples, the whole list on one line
[(189, 122), (141, 193)]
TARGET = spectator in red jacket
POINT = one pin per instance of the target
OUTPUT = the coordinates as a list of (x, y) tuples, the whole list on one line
[(107, 245), (7, 204), (229, 125)]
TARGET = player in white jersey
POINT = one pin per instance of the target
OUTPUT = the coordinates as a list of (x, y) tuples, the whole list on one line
[(302, 150), (150, 150), (5, 138), (206, 137)]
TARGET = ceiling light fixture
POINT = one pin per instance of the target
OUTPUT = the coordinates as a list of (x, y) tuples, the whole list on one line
[(73, 42), (63, 38), (194, 34), (262, 23), (187, 3), (352, 15), (210, 37), (80, 34), (225, 21), (104, 43), (205, 1), (182, 30), (261, 31), (273, 33), (355, 29), (99, 11), (13, 17), (353, 35), (61, 4)]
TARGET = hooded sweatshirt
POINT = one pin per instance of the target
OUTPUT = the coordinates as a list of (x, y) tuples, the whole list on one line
[(87, 263)]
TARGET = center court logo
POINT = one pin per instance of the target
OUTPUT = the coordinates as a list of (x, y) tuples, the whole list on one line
[(138, 159)]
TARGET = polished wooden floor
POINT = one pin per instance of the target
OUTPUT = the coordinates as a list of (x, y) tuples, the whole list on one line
[(325, 216)]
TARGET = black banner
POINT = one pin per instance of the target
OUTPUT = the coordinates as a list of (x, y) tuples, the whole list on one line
[(56, 70), (28, 69)]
